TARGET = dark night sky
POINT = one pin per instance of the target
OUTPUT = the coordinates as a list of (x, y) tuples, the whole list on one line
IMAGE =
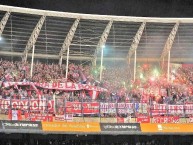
[(150, 8)]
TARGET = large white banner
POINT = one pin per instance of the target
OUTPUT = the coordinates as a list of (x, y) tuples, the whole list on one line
[(68, 86)]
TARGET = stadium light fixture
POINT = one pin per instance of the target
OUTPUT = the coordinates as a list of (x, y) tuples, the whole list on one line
[(156, 72), (141, 76), (173, 71), (152, 79)]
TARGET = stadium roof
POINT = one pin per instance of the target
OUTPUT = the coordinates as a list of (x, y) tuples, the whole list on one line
[(91, 33)]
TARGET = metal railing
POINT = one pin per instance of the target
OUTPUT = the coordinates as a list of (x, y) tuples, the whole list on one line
[(95, 111)]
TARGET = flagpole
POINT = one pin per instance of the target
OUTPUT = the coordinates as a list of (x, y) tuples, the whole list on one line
[(32, 62), (168, 73), (134, 72), (101, 67), (54, 98), (67, 59)]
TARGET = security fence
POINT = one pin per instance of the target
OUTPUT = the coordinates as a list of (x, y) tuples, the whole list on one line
[(59, 109)]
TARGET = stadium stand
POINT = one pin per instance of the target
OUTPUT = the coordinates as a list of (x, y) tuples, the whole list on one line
[(87, 79)]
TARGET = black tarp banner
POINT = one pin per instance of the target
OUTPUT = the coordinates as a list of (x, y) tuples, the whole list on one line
[(129, 127), (22, 125)]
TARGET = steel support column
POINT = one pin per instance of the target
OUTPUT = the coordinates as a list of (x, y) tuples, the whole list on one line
[(3, 22), (169, 42), (167, 48), (102, 41), (136, 40), (135, 64), (168, 71), (33, 37), (68, 40)]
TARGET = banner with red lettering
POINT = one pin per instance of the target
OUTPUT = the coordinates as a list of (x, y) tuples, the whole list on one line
[(122, 108), (175, 109), (188, 109), (143, 119), (158, 109), (38, 117), (108, 108), (65, 117), (82, 107), (32, 105), (162, 109), (166, 119), (68, 86)]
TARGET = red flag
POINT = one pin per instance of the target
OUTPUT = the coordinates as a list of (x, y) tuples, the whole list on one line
[(93, 94)]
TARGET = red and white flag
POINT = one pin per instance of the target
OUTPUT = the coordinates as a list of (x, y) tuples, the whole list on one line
[(93, 94)]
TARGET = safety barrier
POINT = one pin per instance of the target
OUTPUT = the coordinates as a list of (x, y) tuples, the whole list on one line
[(94, 127)]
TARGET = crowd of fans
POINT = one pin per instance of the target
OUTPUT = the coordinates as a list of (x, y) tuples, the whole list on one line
[(116, 79), (19, 71)]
